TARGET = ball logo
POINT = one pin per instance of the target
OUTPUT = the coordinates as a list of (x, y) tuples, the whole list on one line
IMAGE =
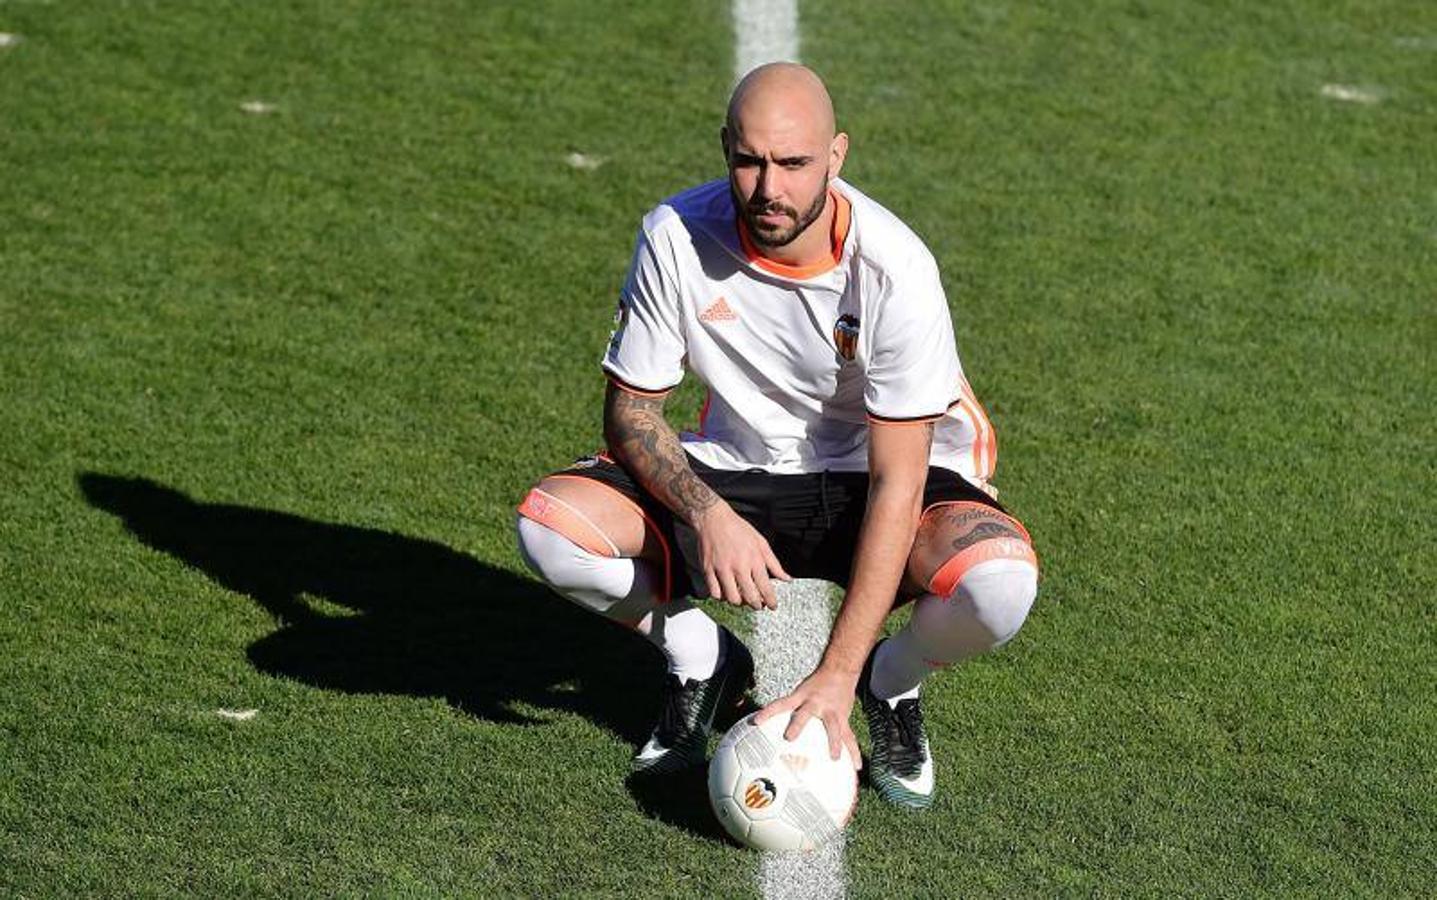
[(794, 761), (845, 335), (760, 793)]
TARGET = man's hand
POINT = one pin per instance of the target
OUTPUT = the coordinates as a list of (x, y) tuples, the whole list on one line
[(827, 696), (736, 560)]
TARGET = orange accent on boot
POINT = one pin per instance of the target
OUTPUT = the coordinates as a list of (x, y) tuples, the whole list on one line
[(945, 580), (556, 515)]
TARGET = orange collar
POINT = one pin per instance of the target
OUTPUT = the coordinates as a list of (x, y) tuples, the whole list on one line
[(842, 219)]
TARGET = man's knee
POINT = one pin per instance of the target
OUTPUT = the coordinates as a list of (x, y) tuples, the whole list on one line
[(1000, 592), (985, 610), (551, 555), (987, 583)]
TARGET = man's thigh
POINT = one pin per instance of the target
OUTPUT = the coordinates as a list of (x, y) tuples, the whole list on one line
[(958, 526), (817, 521), (595, 504)]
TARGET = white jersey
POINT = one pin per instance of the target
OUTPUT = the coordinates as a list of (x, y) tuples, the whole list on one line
[(798, 360)]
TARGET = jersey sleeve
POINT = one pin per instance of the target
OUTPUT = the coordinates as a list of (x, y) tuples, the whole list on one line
[(913, 372), (646, 351)]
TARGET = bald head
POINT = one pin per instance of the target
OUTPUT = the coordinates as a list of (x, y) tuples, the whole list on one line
[(783, 92), (782, 152)]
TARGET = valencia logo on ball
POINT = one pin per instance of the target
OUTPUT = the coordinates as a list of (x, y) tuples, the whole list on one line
[(845, 335), (760, 793)]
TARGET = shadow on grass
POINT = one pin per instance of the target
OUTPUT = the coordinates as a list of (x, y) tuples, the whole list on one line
[(417, 619)]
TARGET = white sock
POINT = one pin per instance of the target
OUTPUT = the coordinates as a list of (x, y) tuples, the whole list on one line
[(625, 591), (987, 608), (688, 637)]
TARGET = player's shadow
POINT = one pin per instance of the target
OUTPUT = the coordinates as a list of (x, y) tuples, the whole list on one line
[(368, 611)]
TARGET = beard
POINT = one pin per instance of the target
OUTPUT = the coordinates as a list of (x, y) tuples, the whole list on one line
[(766, 235)]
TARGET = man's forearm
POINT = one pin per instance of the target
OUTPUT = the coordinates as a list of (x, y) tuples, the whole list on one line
[(642, 440), (884, 542), (898, 469)]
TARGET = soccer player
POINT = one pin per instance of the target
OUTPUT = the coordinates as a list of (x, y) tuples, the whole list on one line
[(840, 440)]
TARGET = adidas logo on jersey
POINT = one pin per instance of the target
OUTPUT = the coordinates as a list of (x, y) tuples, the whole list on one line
[(718, 311)]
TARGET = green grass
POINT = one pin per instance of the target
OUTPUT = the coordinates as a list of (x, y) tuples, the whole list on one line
[(274, 382)]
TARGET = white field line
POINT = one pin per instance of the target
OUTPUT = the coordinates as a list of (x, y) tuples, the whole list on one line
[(764, 31), (787, 644), (789, 641)]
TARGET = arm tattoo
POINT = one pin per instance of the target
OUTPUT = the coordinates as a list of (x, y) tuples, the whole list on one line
[(643, 441)]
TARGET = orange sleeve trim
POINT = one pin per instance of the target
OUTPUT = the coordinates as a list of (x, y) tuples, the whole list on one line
[(627, 388), (945, 580), (842, 222)]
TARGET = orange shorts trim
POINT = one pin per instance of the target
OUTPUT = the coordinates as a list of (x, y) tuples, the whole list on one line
[(668, 587), (554, 513), (945, 580)]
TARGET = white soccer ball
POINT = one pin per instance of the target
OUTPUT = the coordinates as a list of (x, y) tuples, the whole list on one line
[(773, 794)]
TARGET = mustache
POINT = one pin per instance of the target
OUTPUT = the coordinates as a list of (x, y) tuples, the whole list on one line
[(762, 209)]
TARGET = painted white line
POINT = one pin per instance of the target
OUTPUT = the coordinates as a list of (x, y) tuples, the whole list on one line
[(237, 715), (257, 107), (8, 40), (788, 641), (764, 31), (787, 644), (1350, 93)]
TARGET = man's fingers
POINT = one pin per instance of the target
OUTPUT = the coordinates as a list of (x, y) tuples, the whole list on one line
[(836, 736), (795, 724), (752, 596), (783, 704), (715, 590), (731, 592), (765, 589), (839, 737)]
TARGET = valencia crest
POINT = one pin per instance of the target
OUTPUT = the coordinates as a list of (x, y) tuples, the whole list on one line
[(760, 793)]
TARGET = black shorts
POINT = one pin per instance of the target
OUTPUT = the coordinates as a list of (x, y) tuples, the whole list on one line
[(810, 520)]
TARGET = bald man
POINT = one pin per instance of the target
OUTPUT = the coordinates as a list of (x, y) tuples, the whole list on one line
[(839, 440)]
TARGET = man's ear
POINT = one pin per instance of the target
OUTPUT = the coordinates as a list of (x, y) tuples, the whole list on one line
[(723, 140), (837, 153)]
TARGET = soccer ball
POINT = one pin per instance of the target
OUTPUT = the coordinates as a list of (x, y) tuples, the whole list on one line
[(773, 794)]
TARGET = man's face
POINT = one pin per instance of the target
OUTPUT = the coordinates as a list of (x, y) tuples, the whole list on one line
[(779, 177)]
